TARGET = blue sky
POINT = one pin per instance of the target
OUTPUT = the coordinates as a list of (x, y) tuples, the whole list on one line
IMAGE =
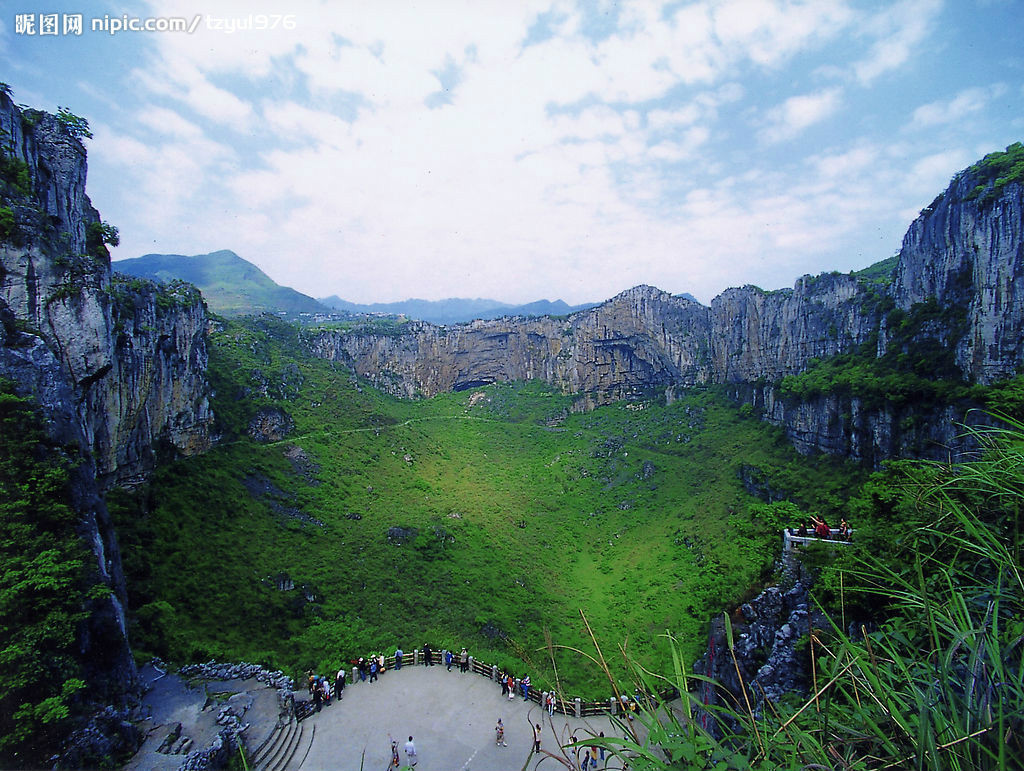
[(386, 149)]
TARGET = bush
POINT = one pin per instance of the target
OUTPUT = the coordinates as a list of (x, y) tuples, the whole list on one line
[(42, 592)]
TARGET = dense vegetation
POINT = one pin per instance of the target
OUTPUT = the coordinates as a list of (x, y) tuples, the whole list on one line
[(43, 591), (486, 518), (939, 683), (996, 170)]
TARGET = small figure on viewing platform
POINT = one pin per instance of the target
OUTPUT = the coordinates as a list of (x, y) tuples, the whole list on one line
[(339, 683), (821, 528), (845, 533)]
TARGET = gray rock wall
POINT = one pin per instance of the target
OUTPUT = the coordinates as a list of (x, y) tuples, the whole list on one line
[(118, 369), (967, 254), (136, 369)]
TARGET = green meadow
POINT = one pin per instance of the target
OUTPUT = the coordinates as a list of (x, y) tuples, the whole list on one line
[(494, 518)]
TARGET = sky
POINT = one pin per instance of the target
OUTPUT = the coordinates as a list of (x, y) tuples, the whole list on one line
[(521, 150)]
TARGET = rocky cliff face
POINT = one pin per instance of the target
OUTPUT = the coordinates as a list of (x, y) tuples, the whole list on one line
[(964, 254), (967, 251), (641, 339), (117, 366), (134, 357)]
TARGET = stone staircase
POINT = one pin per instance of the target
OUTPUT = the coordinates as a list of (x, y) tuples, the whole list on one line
[(280, 750)]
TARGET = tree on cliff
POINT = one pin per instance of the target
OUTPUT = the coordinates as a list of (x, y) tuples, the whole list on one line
[(43, 585)]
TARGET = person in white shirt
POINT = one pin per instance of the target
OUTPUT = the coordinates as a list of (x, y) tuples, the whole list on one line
[(410, 753)]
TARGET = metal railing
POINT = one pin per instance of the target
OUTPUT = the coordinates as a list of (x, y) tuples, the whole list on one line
[(576, 707), (792, 541)]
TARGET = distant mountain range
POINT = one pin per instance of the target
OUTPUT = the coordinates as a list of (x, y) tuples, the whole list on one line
[(232, 286), (455, 310)]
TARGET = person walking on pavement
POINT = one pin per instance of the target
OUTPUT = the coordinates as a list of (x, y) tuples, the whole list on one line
[(464, 660), (410, 753), (536, 737), (499, 734)]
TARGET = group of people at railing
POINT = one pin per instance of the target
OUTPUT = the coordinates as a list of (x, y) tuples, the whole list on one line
[(368, 669), (817, 527)]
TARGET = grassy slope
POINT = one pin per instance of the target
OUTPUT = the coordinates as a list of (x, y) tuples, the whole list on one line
[(517, 515)]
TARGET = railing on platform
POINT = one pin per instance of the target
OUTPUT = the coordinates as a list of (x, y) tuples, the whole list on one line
[(793, 541), (574, 707)]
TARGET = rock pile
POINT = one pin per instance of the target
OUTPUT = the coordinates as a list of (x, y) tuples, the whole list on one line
[(213, 670)]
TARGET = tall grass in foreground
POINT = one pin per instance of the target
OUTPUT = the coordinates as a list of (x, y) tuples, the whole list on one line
[(938, 685)]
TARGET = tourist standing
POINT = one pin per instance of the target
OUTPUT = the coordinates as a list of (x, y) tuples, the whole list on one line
[(464, 660), (499, 734), (339, 683), (524, 684), (374, 668), (447, 659), (410, 753), (426, 656), (398, 658), (326, 686), (511, 687), (536, 738)]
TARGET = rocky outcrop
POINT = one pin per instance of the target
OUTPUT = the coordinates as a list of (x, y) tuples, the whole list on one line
[(770, 656), (759, 335), (967, 251), (641, 339), (134, 356), (963, 257), (117, 367)]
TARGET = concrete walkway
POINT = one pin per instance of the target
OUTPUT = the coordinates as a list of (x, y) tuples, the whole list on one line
[(451, 717)]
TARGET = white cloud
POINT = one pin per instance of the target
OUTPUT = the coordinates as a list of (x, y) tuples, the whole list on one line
[(573, 163), (168, 122), (898, 30), (844, 164), (965, 103), (797, 113)]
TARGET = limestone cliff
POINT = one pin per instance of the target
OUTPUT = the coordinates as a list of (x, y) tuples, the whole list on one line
[(116, 366), (135, 358), (963, 256), (641, 339), (967, 251)]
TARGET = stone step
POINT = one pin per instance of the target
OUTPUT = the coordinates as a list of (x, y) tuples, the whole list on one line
[(309, 746), (277, 746), (264, 747), (288, 750)]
